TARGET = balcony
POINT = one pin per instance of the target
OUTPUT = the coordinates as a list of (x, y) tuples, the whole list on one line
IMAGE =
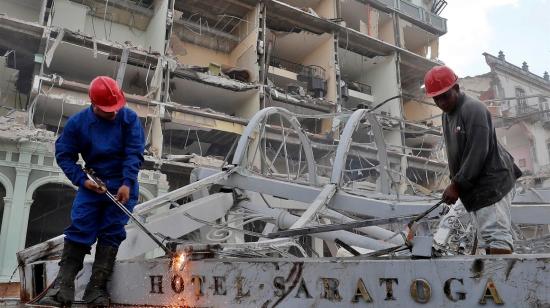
[(545, 118), (524, 109), (285, 74), (415, 13), (528, 111), (356, 93)]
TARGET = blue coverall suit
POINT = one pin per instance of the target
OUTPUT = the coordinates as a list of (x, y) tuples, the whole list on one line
[(114, 150)]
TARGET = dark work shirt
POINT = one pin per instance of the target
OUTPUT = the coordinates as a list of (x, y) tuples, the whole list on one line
[(484, 171)]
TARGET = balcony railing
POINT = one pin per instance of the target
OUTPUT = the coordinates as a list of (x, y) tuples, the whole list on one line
[(528, 111), (415, 12), (303, 71), (312, 76), (411, 10), (524, 109), (359, 87)]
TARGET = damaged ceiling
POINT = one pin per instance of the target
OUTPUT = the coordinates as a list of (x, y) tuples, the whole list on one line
[(20, 43), (190, 92), (133, 13)]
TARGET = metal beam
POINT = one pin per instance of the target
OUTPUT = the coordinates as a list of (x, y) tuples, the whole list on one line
[(122, 67), (51, 51), (179, 193), (337, 227), (316, 206), (248, 134), (381, 153), (344, 145), (346, 139), (327, 214), (521, 213), (285, 220), (175, 223)]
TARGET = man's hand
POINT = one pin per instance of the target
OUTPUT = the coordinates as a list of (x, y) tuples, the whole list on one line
[(123, 194), (450, 195), (91, 185)]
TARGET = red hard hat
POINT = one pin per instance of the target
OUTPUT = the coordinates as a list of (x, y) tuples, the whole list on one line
[(439, 80), (106, 95)]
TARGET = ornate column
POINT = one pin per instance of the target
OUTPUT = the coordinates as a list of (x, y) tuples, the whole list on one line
[(3, 234), (12, 235)]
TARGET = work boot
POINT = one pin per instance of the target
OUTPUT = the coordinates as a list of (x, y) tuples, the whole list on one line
[(61, 293), (96, 294), (498, 251)]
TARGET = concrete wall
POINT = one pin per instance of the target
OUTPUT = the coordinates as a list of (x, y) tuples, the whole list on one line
[(415, 111), (75, 17), (370, 27), (527, 141), (434, 49), (21, 10), (519, 143), (475, 86), (541, 137), (386, 32), (8, 90), (72, 16), (383, 79), (197, 55), (326, 9), (114, 32), (245, 56)]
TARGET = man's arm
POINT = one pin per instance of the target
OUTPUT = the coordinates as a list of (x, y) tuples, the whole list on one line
[(133, 149), (66, 154), (478, 137)]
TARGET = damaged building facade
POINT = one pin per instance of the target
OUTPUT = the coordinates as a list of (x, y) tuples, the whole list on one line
[(197, 72), (520, 103)]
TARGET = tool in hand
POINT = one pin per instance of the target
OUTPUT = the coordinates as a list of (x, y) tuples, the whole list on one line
[(91, 176), (411, 223), (356, 224)]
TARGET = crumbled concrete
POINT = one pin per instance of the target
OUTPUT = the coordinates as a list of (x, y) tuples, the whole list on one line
[(13, 127)]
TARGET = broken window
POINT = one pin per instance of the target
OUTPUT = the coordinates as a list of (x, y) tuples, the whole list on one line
[(50, 212)]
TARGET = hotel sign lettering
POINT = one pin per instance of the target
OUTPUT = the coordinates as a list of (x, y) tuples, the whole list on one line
[(420, 290)]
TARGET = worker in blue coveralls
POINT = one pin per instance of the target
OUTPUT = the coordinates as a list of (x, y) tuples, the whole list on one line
[(110, 139)]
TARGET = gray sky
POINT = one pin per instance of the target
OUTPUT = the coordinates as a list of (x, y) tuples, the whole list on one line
[(520, 28)]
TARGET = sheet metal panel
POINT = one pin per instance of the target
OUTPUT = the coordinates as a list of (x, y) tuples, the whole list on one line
[(514, 280)]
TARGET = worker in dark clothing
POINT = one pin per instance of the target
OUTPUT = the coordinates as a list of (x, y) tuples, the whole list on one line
[(482, 172), (110, 139)]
